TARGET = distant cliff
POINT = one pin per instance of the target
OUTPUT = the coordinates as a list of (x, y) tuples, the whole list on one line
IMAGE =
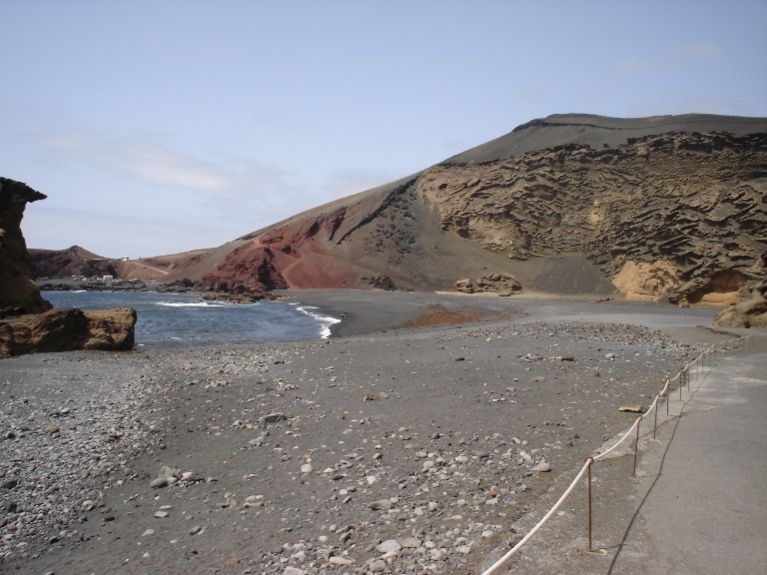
[(74, 261)]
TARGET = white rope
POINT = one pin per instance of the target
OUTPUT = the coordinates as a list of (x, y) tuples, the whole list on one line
[(654, 405), (602, 455), (663, 393), (497, 565)]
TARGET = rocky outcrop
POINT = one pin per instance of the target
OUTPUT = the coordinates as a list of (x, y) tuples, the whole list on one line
[(502, 284), (67, 330), (750, 311), (647, 280), (18, 292), (30, 325), (380, 282), (695, 202), (247, 271)]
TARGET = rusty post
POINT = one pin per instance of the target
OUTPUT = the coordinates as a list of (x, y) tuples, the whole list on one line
[(590, 461), (681, 379), (636, 448)]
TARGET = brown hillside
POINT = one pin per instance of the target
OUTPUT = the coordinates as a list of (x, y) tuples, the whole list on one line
[(653, 207)]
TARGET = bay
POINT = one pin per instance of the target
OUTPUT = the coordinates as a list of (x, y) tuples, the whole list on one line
[(180, 320)]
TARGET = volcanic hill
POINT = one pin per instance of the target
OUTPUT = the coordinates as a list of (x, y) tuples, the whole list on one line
[(671, 206)]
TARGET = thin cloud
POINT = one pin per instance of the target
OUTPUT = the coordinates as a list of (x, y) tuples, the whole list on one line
[(700, 50), (67, 141), (157, 164)]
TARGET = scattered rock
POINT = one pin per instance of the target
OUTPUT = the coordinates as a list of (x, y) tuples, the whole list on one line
[(389, 546), (632, 408)]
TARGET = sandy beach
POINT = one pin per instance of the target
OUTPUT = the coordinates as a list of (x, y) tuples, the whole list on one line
[(419, 438)]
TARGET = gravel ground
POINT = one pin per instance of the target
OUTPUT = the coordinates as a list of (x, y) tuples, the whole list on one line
[(408, 451)]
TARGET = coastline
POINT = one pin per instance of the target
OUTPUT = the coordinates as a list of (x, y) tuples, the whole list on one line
[(371, 311), (310, 455)]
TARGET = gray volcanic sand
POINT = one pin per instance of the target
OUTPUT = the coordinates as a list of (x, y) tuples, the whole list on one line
[(306, 456)]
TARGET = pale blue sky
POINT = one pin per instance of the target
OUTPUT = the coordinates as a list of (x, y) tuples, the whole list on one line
[(163, 126)]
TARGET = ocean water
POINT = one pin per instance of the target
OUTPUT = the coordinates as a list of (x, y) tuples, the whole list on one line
[(179, 320)]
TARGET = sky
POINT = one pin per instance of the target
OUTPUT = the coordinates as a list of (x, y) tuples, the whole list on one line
[(157, 127)]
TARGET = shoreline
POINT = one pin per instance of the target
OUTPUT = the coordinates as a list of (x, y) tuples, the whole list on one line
[(312, 454), (368, 312), (359, 312)]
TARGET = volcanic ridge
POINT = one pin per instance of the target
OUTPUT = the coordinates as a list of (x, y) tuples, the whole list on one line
[(648, 208)]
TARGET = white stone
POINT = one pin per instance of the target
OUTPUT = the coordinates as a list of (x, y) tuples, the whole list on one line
[(389, 546)]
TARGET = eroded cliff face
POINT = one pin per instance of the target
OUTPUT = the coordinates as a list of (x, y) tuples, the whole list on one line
[(675, 215), (651, 208), (18, 292)]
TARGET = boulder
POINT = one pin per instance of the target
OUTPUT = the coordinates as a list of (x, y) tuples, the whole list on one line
[(67, 330), (464, 285), (501, 283)]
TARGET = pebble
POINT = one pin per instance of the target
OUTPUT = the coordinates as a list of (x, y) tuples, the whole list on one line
[(338, 560), (381, 505), (159, 482), (438, 489), (389, 546)]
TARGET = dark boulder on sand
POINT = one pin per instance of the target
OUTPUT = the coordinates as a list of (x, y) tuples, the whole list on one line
[(69, 329)]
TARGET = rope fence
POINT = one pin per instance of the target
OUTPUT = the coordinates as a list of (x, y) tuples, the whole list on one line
[(697, 366)]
